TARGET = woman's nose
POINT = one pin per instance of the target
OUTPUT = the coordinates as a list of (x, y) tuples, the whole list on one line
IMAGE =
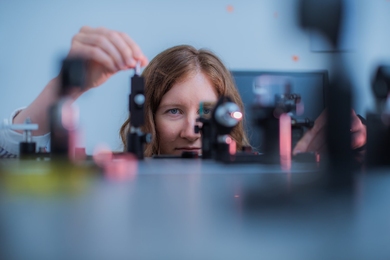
[(188, 131)]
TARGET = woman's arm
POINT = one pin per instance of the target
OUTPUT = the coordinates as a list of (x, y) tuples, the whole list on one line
[(38, 110), (106, 51)]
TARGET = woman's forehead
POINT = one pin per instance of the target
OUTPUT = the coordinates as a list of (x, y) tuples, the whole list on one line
[(196, 87)]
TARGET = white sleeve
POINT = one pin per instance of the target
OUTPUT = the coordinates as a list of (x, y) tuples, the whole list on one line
[(9, 140)]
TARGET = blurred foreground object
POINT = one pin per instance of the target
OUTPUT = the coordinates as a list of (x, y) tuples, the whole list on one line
[(64, 113), (326, 17), (378, 121), (46, 179)]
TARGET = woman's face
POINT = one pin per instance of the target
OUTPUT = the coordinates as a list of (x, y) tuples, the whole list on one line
[(177, 113)]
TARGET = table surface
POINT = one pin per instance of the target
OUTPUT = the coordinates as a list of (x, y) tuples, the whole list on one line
[(189, 209)]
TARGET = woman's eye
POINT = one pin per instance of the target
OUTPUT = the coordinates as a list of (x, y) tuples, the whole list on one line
[(173, 111), (206, 111)]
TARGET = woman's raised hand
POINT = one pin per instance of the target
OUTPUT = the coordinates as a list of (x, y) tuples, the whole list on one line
[(107, 52)]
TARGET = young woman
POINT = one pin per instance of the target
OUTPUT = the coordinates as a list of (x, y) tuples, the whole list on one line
[(176, 81)]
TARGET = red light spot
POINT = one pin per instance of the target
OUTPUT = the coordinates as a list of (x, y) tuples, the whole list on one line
[(276, 14), (295, 58), (236, 196), (230, 8), (237, 115)]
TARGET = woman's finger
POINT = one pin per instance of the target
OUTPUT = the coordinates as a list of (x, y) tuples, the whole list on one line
[(358, 132), (116, 38), (128, 49), (93, 53), (358, 138), (99, 41), (304, 143), (138, 55), (318, 141)]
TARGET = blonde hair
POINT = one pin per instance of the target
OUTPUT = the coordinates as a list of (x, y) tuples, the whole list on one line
[(174, 65)]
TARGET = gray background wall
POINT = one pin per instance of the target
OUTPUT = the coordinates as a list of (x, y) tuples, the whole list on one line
[(256, 35)]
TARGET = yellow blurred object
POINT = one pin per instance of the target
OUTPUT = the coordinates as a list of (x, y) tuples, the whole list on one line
[(30, 177)]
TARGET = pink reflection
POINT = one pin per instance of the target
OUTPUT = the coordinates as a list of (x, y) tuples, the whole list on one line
[(69, 115), (318, 158), (285, 141), (117, 167), (69, 118), (79, 154), (300, 108), (101, 155), (232, 145), (121, 168)]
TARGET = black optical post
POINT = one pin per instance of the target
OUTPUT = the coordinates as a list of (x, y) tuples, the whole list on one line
[(216, 129), (136, 138)]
